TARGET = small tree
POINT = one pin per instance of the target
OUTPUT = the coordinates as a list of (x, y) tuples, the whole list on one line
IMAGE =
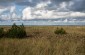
[(16, 31), (1, 32), (22, 31), (60, 31)]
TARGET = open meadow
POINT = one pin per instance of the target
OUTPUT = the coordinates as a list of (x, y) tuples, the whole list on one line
[(41, 40)]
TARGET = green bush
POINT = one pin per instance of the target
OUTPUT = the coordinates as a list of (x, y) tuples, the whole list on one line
[(16, 31), (1, 32), (60, 31)]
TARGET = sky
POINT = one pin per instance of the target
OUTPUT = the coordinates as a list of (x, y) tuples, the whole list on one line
[(42, 9)]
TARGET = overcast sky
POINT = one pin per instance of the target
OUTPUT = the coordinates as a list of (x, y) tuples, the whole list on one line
[(41, 9)]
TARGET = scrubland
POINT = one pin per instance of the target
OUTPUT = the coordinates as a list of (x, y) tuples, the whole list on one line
[(41, 40)]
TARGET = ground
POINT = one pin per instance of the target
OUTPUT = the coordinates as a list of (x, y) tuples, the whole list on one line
[(42, 40)]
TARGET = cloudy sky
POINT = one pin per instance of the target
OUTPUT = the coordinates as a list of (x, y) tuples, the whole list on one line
[(41, 9)]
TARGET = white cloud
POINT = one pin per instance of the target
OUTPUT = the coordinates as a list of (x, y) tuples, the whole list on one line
[(12, 9), (5, 17), (43, 13), (27, 13), (2, 10), (77, 14), (40, 12), (63, 7), (14, 15), (42, 5), (11, 15)]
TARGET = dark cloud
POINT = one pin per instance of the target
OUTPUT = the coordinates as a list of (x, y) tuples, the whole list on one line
[(35, 2), (7, 3), (4, 1), (59, 1), (79, 5), (26, 4)]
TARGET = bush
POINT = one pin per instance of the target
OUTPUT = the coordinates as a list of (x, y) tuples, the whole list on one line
[(1, 32), (60, 31), (16, 31)]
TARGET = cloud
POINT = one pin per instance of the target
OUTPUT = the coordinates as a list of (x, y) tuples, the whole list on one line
[(30, 13), (31, 3), (73, 5), (8, 13), (43, 9), (27, 14), (26, 3), (8, 3), (12, 9), (77, 14), (43, 14), (42, 5), (5, 17), (2, 10), (77, 5), (59, 1)]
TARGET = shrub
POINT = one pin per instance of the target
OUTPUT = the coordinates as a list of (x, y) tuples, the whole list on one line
[(21, 31), (1, 32), (60, 31), (16, 31)]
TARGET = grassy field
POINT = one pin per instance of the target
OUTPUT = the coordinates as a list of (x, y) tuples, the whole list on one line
[(42, 40)]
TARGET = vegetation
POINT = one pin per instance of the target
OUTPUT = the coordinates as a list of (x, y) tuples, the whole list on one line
[(16, 31), (1, 32), (60, 31), (43, 41)]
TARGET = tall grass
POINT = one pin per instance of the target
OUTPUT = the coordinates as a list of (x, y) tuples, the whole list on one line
[(45, 42)]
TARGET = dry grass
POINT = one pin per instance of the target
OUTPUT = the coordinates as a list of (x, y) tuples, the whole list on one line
[(43, 41)]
